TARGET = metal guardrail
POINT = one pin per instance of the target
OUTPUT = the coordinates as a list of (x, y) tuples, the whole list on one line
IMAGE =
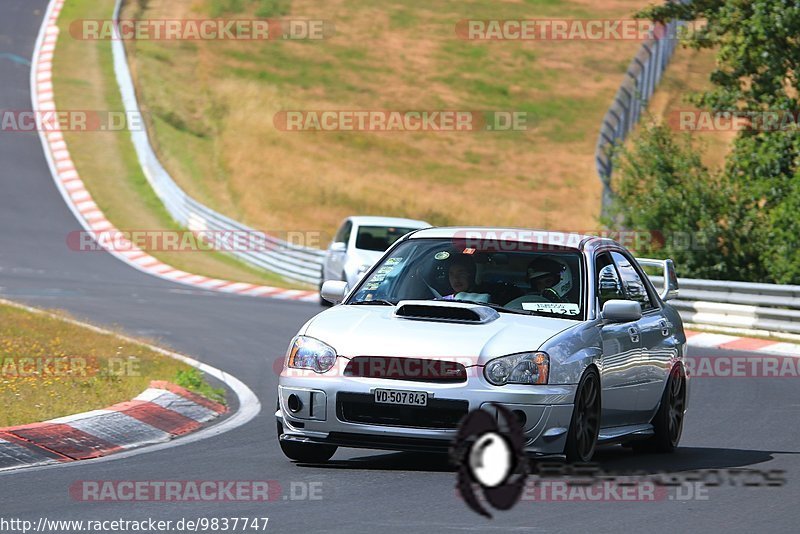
[(643, 75), (291, 261), (738, 305)]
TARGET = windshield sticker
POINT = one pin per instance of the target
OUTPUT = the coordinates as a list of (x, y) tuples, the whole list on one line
[(443, 255), (381, 274), (563, 308)]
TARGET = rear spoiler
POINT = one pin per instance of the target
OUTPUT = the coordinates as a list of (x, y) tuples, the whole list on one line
[(669, 278)]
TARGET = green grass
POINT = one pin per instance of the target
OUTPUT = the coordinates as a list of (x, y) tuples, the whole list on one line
[(193, 380), (96, 370)]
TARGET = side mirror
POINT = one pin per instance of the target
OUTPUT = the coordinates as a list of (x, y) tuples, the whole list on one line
[(670, 281), (621, 311), (338, 246), (334, 291)]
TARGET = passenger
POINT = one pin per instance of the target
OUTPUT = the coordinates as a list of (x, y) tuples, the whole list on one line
[(550, 279)]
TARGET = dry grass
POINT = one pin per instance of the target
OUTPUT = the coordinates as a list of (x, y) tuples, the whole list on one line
[(50, 368), (84, 80), (688, 73), (210, 107)]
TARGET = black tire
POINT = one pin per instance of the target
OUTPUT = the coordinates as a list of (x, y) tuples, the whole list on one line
[(668, 421), (307, 453), (585, 425)]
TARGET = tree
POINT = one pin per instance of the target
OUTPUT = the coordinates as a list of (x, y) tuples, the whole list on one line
[(693, 215), (752, 205)]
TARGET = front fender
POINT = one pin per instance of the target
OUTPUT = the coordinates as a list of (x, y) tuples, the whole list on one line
[(571, 352)]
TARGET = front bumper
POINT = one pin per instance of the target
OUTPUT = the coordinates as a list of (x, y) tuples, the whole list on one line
[(319, 417)]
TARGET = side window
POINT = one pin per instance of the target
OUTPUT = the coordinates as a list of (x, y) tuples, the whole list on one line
[(608, 282), (343, 235), (634, 287)]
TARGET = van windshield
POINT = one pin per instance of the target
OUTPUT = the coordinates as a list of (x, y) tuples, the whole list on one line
[(379, 238)]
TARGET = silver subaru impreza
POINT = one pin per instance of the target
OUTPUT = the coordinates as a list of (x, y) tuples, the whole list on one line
[(566, 331)]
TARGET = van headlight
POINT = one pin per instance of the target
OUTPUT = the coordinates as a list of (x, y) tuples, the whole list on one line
[(309, 353), (522, 368)]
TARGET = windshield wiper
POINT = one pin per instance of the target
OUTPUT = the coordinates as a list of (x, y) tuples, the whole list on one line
[(377, 302)]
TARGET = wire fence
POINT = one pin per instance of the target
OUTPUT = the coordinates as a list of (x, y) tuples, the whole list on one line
[(641, 79)]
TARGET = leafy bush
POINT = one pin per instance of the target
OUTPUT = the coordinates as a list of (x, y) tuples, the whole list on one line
[(746, 213), (694, 215)]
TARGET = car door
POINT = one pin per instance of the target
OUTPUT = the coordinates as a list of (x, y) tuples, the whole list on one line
[(337, 252), (622, 351), (653, 330)]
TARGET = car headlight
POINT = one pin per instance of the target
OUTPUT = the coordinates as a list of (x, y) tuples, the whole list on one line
[(522, 368), (309, 353)]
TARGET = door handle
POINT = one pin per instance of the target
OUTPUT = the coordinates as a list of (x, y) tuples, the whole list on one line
[(633, 332), (664, 328)]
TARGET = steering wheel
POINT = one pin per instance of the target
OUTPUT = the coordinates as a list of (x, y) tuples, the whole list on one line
[(435, 293), (551, 295)]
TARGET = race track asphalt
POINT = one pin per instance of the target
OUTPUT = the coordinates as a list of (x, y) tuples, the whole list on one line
[(749, 423)]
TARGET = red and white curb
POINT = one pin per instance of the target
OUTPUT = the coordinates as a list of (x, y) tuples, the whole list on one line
[(80, 201), (708, 340), (162, 412), (248, 408)]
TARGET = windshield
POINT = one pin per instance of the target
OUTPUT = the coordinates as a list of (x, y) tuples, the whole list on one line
[(520, 279), (379, 238)]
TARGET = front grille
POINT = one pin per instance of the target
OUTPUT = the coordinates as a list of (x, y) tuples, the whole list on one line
[(362, 408), (413, 369)]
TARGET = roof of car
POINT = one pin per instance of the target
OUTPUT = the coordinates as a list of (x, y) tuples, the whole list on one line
[(368, 220), (525, 235)]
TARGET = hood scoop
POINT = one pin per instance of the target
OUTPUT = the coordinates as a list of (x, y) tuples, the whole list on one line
[(445, 312)]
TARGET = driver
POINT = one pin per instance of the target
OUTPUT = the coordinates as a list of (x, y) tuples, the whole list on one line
[(461, 275), (549, 278)]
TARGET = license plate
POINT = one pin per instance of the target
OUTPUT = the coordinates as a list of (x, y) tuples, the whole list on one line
[(408, 398)]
